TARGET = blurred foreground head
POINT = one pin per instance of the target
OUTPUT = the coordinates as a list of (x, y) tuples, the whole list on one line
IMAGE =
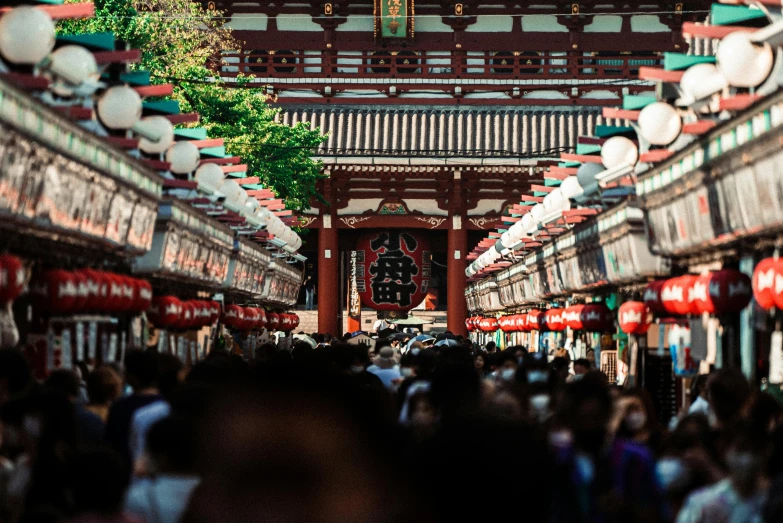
[(301, 450)]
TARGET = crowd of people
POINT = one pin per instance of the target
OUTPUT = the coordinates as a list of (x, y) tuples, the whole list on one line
[(434, 430)]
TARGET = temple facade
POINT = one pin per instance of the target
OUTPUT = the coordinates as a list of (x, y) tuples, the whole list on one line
[(439, 115)]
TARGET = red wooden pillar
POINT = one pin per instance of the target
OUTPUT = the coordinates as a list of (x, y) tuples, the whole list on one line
[(457, 311), (328, 280)]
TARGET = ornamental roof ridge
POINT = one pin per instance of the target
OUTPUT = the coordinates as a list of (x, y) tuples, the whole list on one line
[(436, 109)]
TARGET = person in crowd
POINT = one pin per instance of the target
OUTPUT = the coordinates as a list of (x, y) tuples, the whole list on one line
[(742, 496), (309, 285), (581, 367), (89, 426), (559, 366), (104, 387), (163, 495), (423, 417), (634, 419), (491, 347), (506, 367), (81, 371), (699, 403), (729, 397), (605, 479), (141, 373), (98, 484), (386, 368), (169, 370), (480, 363)]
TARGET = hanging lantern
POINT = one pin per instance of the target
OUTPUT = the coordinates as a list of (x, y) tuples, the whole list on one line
[(272, 321), (164, 311), (634, 317), (186, 318), (128, 293), (12, 278), (262, 319), (203, 314), (727, 291), (505, 324), (233, 316), (56, 291), (699, 295), (469, 324), (535, 319), (82, 292), (489, 324), (652, 296), (596, 317), (27, 35), (395, 275), (554, 320), (768, 283), (214, 311), (675, 294), (573, 317), (183, 157), (285, 322), (250, 320), (520, 321), (142, 296)]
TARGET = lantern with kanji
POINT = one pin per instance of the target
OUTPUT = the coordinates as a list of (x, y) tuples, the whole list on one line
[(272, 321), (263, 322), (520, 321), (634, 317), (720, 292), (554, 320), (653, 296), (295, 321), (250, 319), (488, 324), (535, 319), (233, 316), (214, 311), (505, 324), (12, 278), (596, 317), (469, 324), (394, 269), (572, 316), (164, 311), (56, 291), (285, 322), (768, 283), (675, 294)]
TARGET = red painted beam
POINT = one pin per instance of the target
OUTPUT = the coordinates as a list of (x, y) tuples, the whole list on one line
[(122, 142), (584, 158), (612, 112), (261, 194), (221, 161), (75, 113), (555, 176), (541, 188), (713, 31), (154, 90), (179, 184), (241, 168), (157, 165), (182, 118), (62, 12), (26, 81), (130, 56), (700, 127), (210, 142), (738, 102), (655, 74), (655, 156)]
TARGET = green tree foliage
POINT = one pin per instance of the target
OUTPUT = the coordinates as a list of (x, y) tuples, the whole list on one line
[(180, 41)]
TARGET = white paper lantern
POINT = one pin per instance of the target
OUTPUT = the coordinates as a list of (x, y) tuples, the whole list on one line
[(742, 62), (556, 202), (276, 226), (618, 151), (251, 205), (571, 188), (183, 157), (230, 189), (72, 65), (162, 126), (26, 35), (660, 123), (538, 212), (210, 176), (528, 224), (700, 81), (119, 107)]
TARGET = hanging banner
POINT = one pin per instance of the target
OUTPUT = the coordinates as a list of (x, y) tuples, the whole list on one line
[(393, 18), (393, 269)]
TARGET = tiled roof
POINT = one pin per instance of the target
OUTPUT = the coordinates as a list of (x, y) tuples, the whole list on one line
[(448, 131)]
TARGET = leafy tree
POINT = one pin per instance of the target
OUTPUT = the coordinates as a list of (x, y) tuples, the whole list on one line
[(180, 41)]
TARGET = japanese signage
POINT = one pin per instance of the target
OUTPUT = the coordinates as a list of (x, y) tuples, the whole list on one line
[(354, 301), (392, 18), (393, 270)]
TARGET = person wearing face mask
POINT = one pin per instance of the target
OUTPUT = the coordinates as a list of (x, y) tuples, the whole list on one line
[(506, 367), (634, 419), (741, 497), (604, 478)]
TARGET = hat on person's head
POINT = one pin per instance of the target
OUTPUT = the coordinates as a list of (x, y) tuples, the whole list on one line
[(386, 353)]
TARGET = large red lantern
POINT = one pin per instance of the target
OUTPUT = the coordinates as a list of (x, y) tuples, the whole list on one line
[(720, 292), (596, 317), (653, 296), (535, 319), (675, 294), (187, 317), (203, 314), (115, 298), (768, 283), (272, 321), (233, 316), (251, 318), (295, 321), (699, 295), (285, 322), (554, 320), (82, 293), (504, 324), (12, 278), (395, 272), (634, 317), (97, 290), (469, 324), (521, 322), (128, 293), (164, 311)]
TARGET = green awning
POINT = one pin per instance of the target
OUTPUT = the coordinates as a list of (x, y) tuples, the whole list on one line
[(607, 131), (633, 102), (93, 41), (192, 133), (136, 78), (679, 61), (722, 14)]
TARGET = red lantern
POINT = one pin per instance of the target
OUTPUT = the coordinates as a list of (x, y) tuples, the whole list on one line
[(82, 293), (653, 296), (56, 290), (521, 322), (164, 311), (115, 299), (286, 324), (396, 269), (699, 295), (469, 324), (295, 320), (634, 317), (12, 277), (504, 324), (214, 311), (127, 285), (272, 320), (768, 283), (489, 324), (596, 317), (97, 290), (142, 296), (675, 294), (203, 313), (554, 320), (250, 320), (233, 316), (535, 319), (730, 290), (572, 316), (186, 319), (263, 321)]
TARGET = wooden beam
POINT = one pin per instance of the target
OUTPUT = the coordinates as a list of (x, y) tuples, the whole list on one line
[(584, 158), (182, 118), (221, 161), (130, 56), (713, 31), (613, 112), (154, 90), (65, 11), (656, 74)]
